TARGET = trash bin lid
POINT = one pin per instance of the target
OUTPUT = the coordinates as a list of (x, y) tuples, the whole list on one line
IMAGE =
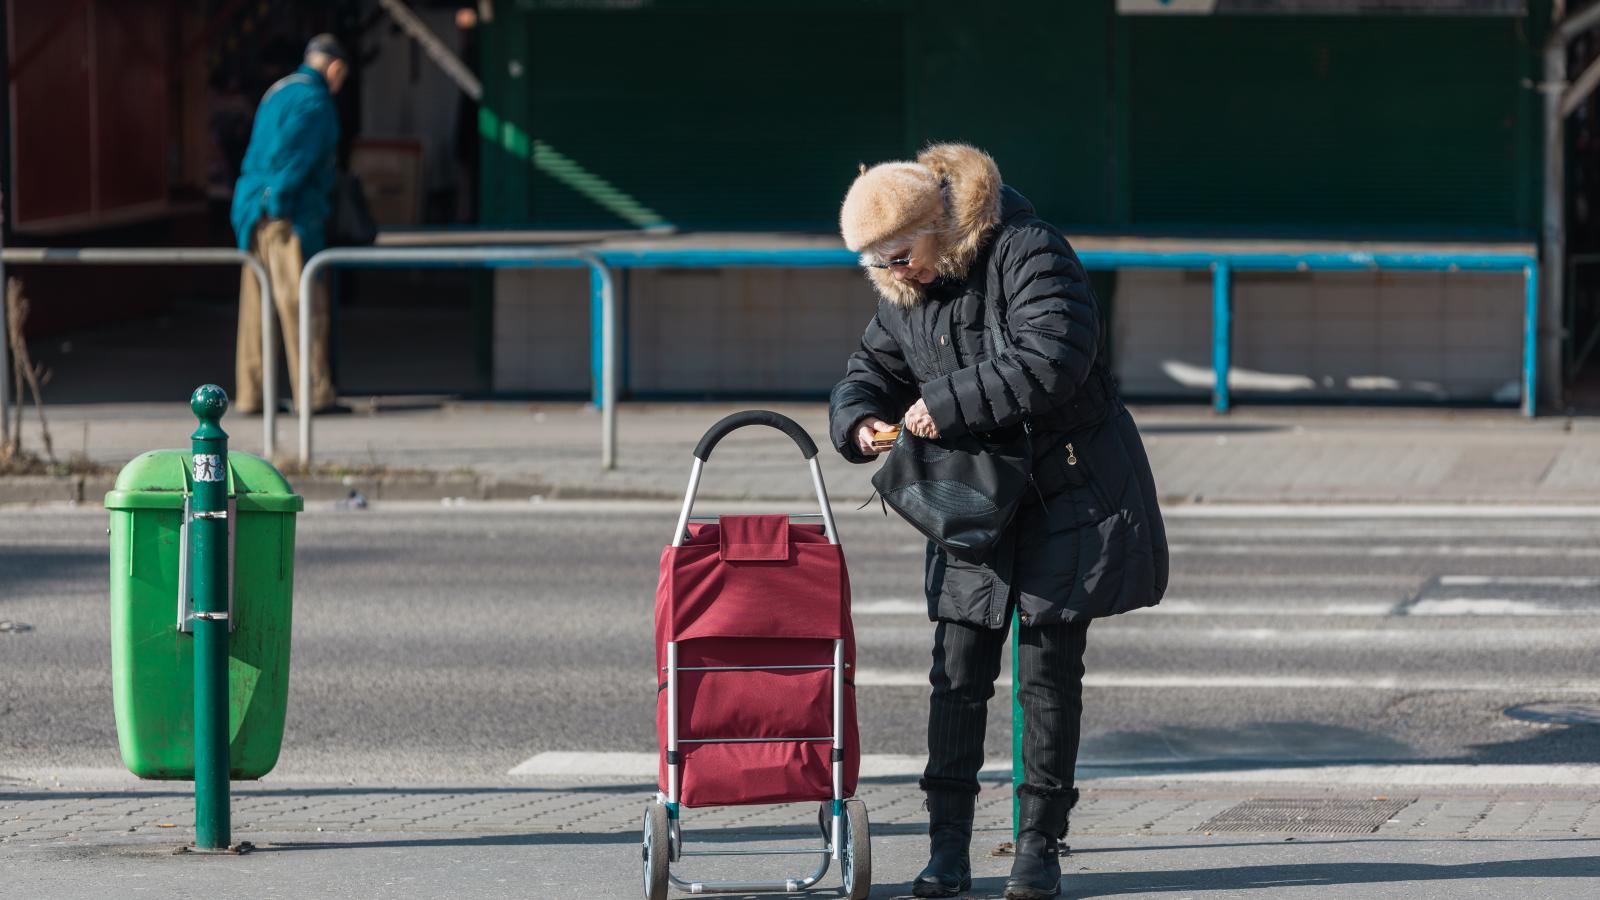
[(160, 479)]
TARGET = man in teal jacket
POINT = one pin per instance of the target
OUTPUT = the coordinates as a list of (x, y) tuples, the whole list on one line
[(280, 206)]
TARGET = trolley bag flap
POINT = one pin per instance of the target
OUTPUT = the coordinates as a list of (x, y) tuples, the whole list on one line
[(753, 538)]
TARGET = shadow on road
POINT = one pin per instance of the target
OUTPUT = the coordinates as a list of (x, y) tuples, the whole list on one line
[(1291, 745), (1292, 875)]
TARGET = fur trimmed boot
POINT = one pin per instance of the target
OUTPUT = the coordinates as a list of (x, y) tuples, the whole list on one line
[(949, 869)]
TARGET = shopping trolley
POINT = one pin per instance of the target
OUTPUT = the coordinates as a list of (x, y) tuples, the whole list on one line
[(756, 699)]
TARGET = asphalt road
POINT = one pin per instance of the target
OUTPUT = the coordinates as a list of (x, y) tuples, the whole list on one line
[(453, 643)]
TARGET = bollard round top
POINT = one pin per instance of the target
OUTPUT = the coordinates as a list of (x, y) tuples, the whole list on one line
[(209, 402)]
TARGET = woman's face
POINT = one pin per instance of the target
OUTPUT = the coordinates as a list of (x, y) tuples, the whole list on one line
[(920, 257)]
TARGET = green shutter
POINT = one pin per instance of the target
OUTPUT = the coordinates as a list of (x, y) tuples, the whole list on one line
[(742, 118), (1400, 125)]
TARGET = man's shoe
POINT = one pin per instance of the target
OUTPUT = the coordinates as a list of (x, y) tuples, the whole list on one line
[(1036, 871), (949, 869)]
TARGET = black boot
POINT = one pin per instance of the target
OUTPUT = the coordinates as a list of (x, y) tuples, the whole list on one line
[(1036, 871), (949, 870)]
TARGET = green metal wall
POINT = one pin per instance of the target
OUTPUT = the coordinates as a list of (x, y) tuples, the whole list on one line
[(721, 114), (1332, 124)]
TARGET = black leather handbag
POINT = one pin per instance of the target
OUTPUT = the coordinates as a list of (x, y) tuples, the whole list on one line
[(961, 493)]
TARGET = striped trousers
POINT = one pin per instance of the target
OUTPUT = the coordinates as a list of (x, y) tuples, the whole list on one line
[(966, 662)]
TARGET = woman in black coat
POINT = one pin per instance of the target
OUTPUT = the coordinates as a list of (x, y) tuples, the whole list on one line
[(941, 237)]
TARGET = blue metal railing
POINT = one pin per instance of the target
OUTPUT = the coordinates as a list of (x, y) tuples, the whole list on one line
[(607, 326), (1222, 266)]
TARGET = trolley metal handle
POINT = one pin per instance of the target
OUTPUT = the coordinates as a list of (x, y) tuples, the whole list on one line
[(783, 423), (808, 448)]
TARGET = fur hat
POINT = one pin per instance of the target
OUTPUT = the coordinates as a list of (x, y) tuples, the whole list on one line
[(953, 188), (890, 199)]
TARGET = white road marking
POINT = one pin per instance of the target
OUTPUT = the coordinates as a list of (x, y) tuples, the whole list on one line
[(1297, 607), (1567, 581), (1491, 606), (1434, 639), (1417, 775), (919, 679), (1367, 531), (1377, 511), (564, 763), (1181, 607), (890, 607), (885, 765), (643, 765), (1387, 550), (1177, 607)]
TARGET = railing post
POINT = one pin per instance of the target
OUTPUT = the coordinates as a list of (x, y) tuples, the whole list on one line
[(1530, 340), (5, 349), (302, 408), (208, 567), (1221, 332), (155, 256), (602, 284), (597, 340), (602, 298), (269, 354)]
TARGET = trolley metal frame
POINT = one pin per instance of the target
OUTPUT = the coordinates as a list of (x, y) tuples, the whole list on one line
[(835, 809)]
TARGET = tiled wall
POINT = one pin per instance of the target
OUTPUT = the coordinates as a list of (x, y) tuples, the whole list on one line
[(691, 331), (788, 331), (1327, 334), (541, 330), (745, 330)]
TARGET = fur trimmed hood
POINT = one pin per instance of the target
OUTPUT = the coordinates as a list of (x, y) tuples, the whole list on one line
[(971, 184)]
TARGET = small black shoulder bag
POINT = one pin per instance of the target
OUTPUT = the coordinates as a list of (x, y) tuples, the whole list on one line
[(963, 492)]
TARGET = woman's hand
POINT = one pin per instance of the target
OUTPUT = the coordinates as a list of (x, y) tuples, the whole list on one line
[(864, 434), (920, 422)]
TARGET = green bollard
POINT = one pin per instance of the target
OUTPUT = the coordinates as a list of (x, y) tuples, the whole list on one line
[(208, 567)]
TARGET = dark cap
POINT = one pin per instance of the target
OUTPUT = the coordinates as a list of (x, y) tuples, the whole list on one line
[(326, 44)]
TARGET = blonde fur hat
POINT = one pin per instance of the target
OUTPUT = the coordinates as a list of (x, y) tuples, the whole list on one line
[(890, 199)]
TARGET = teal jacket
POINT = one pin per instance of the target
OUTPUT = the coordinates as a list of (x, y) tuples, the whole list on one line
[(288, 168)]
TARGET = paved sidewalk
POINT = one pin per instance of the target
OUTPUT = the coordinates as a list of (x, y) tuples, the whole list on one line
[(536, 838), (515, 451)]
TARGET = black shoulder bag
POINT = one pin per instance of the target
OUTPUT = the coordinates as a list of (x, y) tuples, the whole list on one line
[(962, 492)]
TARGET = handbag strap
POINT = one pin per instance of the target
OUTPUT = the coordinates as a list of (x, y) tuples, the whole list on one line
[(997, 329), (999, 338)]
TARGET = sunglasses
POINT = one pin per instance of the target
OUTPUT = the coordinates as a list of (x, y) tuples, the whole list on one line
[(901, 261)]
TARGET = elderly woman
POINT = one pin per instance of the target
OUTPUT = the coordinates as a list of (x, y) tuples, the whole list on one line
[(942, 237)]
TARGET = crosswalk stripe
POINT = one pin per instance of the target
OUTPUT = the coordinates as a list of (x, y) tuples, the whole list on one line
[(886, 765), (1198, 680), (643, 765), (1387, 550), (1562, 581)]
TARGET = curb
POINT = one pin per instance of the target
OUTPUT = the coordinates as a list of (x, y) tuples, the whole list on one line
[(35, 490)]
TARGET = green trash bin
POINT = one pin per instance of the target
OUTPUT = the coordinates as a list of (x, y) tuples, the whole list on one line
[(152, 661)]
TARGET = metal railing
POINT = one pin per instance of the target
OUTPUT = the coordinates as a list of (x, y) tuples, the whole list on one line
[(601, 291), (1222, 266), (606, 328), (164, 256)]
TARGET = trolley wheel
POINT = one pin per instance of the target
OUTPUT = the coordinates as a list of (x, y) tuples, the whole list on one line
[(855, 856), (656, 852)]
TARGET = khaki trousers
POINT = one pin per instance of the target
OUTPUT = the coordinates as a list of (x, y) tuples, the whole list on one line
[(278, 247)]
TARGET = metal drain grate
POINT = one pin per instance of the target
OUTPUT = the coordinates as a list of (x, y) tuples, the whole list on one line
[(1306, 816)]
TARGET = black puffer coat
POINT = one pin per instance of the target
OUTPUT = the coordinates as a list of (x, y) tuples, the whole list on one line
[(1091, 542)]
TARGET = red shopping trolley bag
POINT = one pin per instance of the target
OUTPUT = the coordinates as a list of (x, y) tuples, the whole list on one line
[(754, 613)]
